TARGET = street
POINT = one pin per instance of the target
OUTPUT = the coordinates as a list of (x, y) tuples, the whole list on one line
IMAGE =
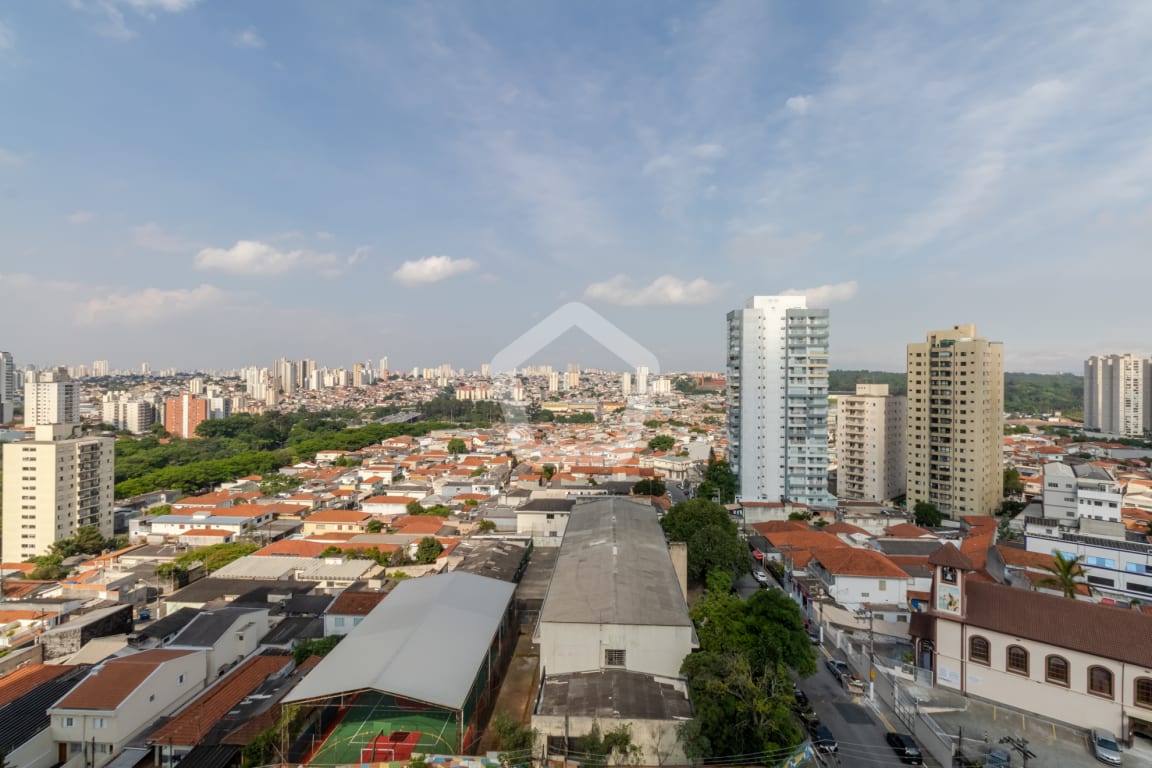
[(856, 727)]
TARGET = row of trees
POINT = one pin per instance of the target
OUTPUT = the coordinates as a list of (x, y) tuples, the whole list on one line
[(713, 541), (87, 541)]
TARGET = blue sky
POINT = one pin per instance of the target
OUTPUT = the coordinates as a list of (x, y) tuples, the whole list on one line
[(210, 184)]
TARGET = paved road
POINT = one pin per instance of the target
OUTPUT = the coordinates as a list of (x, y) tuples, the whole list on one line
[(678, 496), (858, 729)]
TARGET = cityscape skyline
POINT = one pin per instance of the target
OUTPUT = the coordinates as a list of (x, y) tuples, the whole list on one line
[(334, 175)]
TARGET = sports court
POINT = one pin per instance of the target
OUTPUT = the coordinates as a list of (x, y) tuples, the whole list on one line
[(371, 714)]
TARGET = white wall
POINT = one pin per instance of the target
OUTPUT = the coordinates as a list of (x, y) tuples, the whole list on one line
[(549, 532), (655, 738), (853, 591), (653, 650)]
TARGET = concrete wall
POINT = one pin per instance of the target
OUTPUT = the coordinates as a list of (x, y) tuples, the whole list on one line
[(580, 647), (655, 738), (65, 641), (38, 752), (1071, 704)]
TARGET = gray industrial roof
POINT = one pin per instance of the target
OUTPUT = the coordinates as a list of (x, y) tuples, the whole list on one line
[(425, 642), (614, 568), (209, 626), (614, 693)]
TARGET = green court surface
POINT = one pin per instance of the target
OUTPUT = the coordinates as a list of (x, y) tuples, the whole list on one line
[(374, 713)]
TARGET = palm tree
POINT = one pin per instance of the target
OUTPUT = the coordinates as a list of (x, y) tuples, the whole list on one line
[(1067, 575)]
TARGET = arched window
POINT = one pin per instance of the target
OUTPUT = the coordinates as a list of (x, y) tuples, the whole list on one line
[(1017, 660), (1144, 691), (1100, 681), (979, 651), (1056, 670)]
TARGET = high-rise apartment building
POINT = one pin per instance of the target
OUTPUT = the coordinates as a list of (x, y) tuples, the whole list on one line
[(642, 380), (100, 368), (53, 485), (955, 422), (870, 429), (7, 386), (626, 384), (126, 412), (1117, 398), (778, 400), (51, 397), (183, 414)]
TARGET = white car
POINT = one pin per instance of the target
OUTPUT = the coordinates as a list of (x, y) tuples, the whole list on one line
[(760, 576)]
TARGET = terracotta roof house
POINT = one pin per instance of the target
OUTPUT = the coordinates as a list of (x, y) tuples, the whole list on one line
[(119, 699)]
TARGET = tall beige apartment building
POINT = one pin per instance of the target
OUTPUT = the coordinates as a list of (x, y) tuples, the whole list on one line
[(956, 422), (870, 431), (53, 485)]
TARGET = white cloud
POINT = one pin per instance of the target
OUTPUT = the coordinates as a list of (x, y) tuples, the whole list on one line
[(431, 270), (823, 295), (659, 163), (81, 217), (7, 37), (664, 290), (148, 305), (709, 151), (251, 257), (7, 157), (798, 104), (115, 25), (150, 6), (248, 38), (153, 238)]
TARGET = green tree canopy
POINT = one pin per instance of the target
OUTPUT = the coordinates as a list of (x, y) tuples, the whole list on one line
[(927, 514), (457, 446), (716, 547), (662, 443), (649, 488), (720, 482), (686, 518), (428, 550), (1013, 484), (1067, 574)]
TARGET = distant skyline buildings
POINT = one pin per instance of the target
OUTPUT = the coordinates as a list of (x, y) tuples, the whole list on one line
[(1117, 396)]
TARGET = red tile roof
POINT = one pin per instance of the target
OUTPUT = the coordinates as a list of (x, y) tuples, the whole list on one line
[(355, 603), (108, 685), (339, 516), (908, 531), (16, 684), (194, 721), (850, 561)]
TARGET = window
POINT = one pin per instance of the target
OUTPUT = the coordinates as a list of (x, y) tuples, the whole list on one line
[(1144, 691), (613, 657), (99, 722), (979, 651), (1017, 660), (1100, 681), (1056, 670), (180, 680), (69, 722), (339, 621), (1100, 562), (882, 585)]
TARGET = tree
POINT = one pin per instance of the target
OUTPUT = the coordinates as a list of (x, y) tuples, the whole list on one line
[(714, 547), (662, 443), (374, 526), (456, 446), (649, 488), (511, 738), (719, 481), (1013, 485), (414, 507), (598, 747), (321, 647), (686, 518), (548, 470), (926, 514), (1067, 575), (485, 526), (428, 550)]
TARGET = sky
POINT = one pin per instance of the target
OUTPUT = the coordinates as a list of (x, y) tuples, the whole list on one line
[(209, 184)]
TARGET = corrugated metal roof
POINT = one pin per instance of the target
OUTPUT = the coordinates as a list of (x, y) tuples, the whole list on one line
[(425, 642)]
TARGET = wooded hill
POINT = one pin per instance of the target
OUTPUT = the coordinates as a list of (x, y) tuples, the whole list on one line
[(1025, 393)]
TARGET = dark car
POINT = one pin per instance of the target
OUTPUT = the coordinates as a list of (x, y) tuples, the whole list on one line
[(838, 668), (905, 748), (823, 739), (801, 698)]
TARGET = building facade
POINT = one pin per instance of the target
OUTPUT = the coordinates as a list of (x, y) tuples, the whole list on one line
[(955, 422), (53, 485), (7, 386), (128, 413), (778, 400), (1116, 396), (51, 397), (870, 444), (183, 414)]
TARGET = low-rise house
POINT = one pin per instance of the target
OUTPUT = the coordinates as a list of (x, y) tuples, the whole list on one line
[(348, 610), (337, 521), (861, 579), (119, 699), (544, 520), (389, 507), (25, 695), (228, 635)]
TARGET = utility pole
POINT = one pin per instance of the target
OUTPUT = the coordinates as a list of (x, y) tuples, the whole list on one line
[(1019, 745)]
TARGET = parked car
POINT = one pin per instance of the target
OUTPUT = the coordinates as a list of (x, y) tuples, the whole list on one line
[(760, 575), (823, 739), (814, 636), (800, 696), (839, 669), (1104, 747), (905, 748)]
